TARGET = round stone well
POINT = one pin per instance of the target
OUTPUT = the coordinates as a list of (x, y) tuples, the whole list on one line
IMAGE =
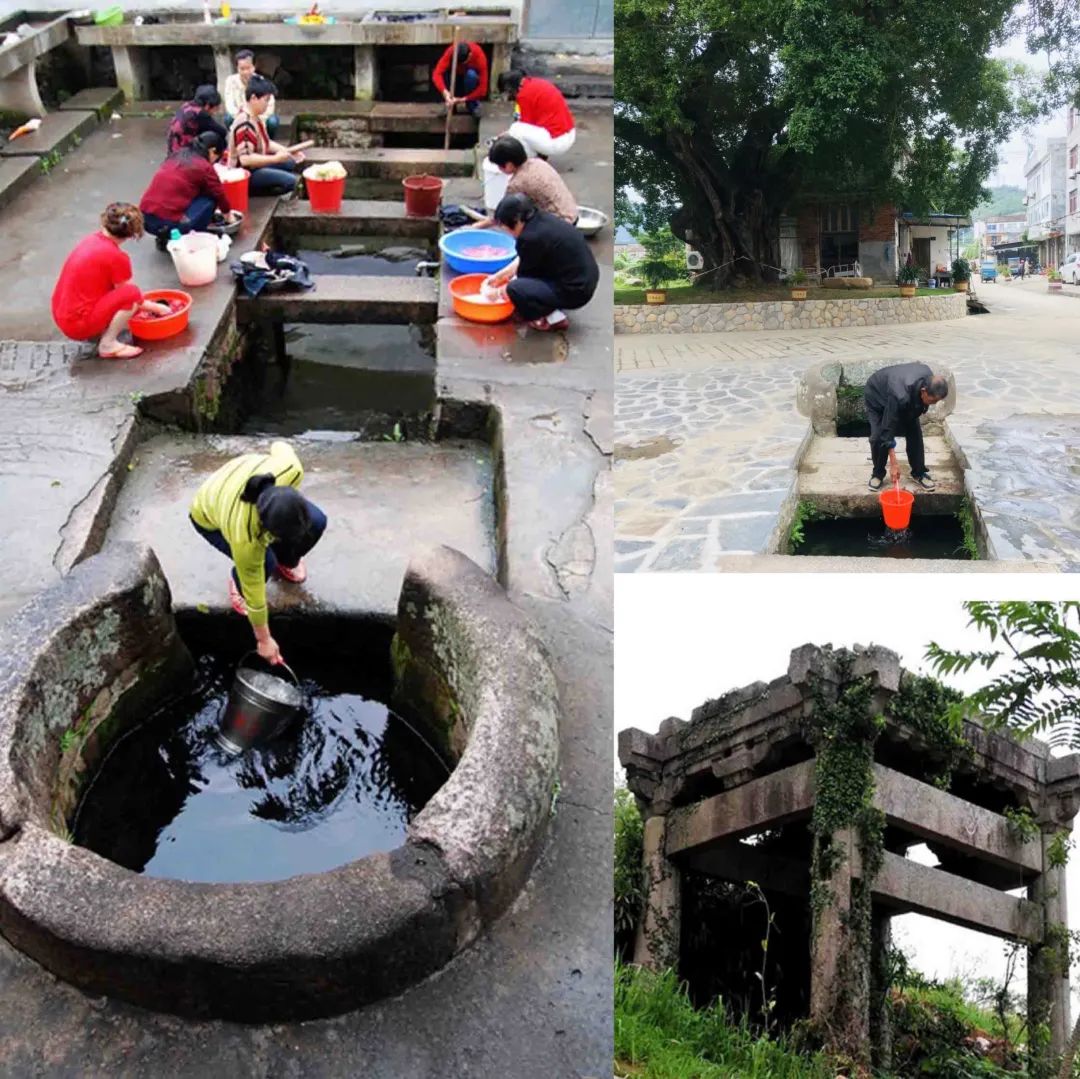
[(85, 660)]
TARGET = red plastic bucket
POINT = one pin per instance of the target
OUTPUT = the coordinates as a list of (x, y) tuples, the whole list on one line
[(325, 195), (236, 191), (422, 195), (896, 505)]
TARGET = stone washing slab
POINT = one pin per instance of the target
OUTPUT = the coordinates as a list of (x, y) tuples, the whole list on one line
[(100, 99), (16, 173), (347, 299), (358, 217), (384, 500), (59, 131), (396, 164), (833, 474)]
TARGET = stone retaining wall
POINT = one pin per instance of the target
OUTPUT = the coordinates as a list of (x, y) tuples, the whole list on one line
[(787, 314)]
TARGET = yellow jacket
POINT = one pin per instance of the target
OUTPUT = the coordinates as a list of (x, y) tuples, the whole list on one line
[(218, 506)]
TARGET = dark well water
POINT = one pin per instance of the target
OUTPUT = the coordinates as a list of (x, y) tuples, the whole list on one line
[(343, 781), (928, 537)]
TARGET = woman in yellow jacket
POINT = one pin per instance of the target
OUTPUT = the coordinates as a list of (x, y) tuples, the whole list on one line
[(251, 510)]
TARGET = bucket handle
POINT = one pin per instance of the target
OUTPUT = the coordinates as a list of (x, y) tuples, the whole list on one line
[(253, 652)]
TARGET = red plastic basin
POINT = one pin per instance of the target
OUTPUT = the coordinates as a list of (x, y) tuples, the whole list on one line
[(148, 328), (469, 285)]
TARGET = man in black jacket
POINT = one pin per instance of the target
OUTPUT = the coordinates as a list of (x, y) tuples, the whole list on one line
[(554, 272), (896, 397)]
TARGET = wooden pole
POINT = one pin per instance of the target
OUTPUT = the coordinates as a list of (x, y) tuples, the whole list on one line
[(453, 88)]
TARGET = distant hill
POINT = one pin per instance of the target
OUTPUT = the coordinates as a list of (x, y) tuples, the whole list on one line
[(1006, 199)]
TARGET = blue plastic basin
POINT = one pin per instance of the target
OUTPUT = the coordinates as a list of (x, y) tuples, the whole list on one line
[(452, 244)]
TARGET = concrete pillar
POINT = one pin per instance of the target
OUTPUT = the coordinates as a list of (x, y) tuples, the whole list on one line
[(500, 63), (1048, 963), (223, 66), (19, 92), (132, 71), (657, 942), (367, 73)]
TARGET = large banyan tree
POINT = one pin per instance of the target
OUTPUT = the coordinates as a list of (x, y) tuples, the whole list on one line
[(728, 111)]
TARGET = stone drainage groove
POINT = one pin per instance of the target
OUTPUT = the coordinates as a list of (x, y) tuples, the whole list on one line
[(833, 512), (88, 658)]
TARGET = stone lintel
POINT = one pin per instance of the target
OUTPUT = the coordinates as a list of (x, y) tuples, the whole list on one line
[(358, 217), (907, 886), (933, 814), (395, 163), (741, 862), (824, 662), (763, 803), (345, 299)]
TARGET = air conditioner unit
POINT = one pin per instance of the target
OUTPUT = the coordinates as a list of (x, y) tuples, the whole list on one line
[(694, 261)]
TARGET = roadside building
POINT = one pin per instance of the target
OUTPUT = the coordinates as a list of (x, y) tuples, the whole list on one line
[(1072, 181), (1000, 229), (1045, 173)]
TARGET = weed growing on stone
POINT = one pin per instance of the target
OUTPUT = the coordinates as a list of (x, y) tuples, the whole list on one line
[(966, 517), (804, 512), (49, 161), (1022, 823)]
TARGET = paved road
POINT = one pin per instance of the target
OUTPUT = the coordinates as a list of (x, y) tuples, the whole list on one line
[(708, 436)]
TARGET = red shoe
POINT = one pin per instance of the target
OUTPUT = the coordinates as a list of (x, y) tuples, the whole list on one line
[(544, 326), (236, 598), (296, 574)]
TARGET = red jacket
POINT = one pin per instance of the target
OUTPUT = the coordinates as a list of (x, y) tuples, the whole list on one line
[(477, 61), (541, 103), (180, 180)]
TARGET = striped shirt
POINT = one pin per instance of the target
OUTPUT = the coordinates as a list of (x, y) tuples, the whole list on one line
[(247, 136), (218, 506)]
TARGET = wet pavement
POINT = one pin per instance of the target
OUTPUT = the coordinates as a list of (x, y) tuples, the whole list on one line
[(532, 998), (709, 438)]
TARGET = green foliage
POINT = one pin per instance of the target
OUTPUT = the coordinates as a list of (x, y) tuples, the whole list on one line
[(664, 259), (1038, 692), (726, 113), (909, 274), (49, 161), (629, 871), (660, 1035), (804, 512), (961, 270), (1004, 199), (1022, 823), (931, 708), (797, 278), (1058, 849), (966, 517)]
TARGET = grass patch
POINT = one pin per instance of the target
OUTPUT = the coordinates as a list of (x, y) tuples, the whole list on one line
[(682, 294), (660, 1035)]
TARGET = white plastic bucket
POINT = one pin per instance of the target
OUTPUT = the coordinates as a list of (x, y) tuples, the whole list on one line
[(495, 182), (195, 256)]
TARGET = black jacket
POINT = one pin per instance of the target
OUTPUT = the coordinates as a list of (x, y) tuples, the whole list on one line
[(895, 393), (556, 251)]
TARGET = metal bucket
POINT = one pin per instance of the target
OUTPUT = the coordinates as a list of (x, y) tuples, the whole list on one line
[(260, 706)]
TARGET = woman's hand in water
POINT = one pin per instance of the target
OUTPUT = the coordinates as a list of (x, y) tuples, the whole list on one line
[(154, 308), (267, 647)]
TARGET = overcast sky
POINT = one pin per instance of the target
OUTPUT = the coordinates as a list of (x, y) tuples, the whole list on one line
[(683, 638)]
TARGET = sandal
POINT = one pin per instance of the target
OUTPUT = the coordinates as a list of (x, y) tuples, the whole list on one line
[(121, 352), (544, 326)]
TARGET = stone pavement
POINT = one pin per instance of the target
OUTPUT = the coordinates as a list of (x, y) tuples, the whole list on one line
[(708, 438)]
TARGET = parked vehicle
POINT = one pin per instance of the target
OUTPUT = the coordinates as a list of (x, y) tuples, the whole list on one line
[(1070, 269), (988, 270)]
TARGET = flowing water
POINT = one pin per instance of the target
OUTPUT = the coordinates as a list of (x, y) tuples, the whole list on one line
[(342, 781)]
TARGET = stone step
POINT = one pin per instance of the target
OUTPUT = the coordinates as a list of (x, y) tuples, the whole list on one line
[(585, 86), (358, 217), (834, 471), (347, 299), (381, 116), (100, 99), (16, 173), (395, 164), (59, 132)]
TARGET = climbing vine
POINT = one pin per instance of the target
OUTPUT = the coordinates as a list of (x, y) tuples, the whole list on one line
[(929, 707)]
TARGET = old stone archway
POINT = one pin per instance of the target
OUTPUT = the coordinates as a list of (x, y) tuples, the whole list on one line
[(840, 748)]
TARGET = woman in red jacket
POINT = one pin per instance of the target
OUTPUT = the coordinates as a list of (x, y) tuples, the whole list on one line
[(544, 123), (471, 85), (94, 295), (185, 191)]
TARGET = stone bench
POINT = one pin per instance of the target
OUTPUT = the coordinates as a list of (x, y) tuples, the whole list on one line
[(130, 44), (18, 76), (347, 299)]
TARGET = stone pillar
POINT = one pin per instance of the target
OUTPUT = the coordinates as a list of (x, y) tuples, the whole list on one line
[(132, 71), (223, 66), (366, 81), (19, 92), (657, 943), (500, 63), (1048, 963), (880, 1024)]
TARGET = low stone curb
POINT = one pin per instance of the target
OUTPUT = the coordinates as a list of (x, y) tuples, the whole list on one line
[(312, 945), (787, 314)]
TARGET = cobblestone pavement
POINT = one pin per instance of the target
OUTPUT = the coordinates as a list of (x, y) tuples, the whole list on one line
[(708, 437)]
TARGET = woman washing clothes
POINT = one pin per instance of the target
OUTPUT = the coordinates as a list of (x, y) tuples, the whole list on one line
[(251, 510), (554, 271), (531, 176), (185, 191), (94, 295), (195, 117)]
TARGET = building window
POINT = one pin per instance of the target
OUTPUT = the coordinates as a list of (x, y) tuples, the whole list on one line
[(1071, 119), (839, 219), (1072, 158), (1072, 201)]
